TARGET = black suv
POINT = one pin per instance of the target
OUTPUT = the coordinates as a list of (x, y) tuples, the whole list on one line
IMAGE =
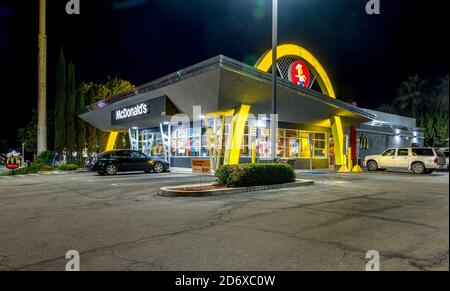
[(111, 162)]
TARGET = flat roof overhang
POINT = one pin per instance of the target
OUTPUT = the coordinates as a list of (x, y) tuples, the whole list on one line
[(220, 84)]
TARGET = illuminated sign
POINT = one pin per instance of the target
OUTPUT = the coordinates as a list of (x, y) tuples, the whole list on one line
[(130, 112), (299, 74)]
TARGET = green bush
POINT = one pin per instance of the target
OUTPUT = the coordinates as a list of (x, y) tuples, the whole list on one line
[(45, 158), (47, 168), (62, 167), (72, 167), (68, 167), (247, 175), (30, 169)]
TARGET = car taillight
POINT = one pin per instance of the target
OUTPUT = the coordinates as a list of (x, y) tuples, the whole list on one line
[(436, 161)]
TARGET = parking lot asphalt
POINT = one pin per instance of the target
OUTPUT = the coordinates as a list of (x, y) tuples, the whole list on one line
[(120, 223)]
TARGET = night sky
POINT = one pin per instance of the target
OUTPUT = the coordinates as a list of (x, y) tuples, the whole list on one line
[(141, 40)]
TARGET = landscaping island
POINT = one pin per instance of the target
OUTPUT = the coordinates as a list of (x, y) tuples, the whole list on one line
[(241, 179)]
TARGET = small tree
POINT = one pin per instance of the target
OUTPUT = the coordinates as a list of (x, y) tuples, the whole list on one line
[(71, 132), (60, 100), (411, 96), (80, 104), (91, 131), (28, 133)]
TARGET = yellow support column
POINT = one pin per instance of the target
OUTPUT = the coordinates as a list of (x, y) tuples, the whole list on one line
[(349, 158), (235, 136), (338, 137), (111, 140), (357, 169), (253, 153)]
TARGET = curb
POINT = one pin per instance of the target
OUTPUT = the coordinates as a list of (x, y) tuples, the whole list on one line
[(173, 192)]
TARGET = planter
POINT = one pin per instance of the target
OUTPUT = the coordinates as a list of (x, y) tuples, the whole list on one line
[(182, 190)]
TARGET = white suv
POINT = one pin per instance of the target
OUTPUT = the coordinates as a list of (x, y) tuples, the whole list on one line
[(419, 160)]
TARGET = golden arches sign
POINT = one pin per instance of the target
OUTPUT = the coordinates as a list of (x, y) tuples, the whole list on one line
[(265, 64)]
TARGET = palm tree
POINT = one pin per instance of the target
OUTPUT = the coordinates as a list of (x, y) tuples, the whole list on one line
[(411, 95), (441, 95)]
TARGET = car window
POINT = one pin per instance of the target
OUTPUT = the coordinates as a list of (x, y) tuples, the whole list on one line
[(389, 153), (440, 153), (422, 152), (138, 155), (403, 153), (123, 154)]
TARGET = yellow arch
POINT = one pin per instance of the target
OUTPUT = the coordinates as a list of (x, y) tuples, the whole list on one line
[(111, 140), (265, 64)]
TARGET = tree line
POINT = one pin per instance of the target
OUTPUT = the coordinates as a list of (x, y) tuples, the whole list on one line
[(68, 135), (428, 103)]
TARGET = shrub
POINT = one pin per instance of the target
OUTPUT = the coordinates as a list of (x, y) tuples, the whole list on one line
[(45, 158), (31, 168), (223, 173), (68, 167), (255, 175), (72, 167), (47, 168), (62, 167)]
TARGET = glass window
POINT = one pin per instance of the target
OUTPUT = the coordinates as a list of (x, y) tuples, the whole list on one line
[(403, 153), (422, 152), (292, 144), (126, 154), (389, 153), (138, 155)]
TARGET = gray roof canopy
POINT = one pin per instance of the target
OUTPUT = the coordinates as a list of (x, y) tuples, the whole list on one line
[(218, 84)]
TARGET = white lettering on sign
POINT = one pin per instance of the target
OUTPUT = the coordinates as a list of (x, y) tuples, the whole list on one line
[(134, 111)]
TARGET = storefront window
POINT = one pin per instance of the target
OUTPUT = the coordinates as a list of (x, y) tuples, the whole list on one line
[(292, 144), (188, 142)]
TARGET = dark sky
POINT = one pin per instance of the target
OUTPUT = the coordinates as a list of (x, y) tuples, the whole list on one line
[(141, 40)]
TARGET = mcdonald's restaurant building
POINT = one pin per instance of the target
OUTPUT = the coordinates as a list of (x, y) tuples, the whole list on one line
[(220, 108)]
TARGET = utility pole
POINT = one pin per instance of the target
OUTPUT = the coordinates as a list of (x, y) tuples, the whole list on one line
[(42, 82), (274, 120)]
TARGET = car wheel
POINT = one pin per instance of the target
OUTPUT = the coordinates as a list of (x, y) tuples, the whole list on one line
[(418, 168), (111, 170), (158, 167), (372, 166)]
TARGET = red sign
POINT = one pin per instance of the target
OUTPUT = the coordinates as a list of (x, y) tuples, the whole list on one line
[(12, 166), (299, 74)]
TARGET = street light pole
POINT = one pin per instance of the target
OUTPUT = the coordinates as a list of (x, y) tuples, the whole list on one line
[(42, 82), (274, 119)]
